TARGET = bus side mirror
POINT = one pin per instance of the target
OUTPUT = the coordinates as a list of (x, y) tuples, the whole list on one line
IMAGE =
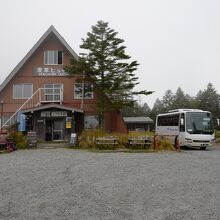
[(182, 121)]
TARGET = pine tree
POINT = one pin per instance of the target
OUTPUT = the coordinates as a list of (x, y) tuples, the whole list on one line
[(181, 100), (209, 100), (138, 110), (107, 65), (168, 100), (157, 109)]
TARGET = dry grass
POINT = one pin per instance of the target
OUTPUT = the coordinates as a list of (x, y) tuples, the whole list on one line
[(87, 140)]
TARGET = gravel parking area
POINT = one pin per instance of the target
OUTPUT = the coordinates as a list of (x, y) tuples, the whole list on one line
[(72, 184)]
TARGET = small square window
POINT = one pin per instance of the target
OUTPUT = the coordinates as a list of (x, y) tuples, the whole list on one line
[(53, 57)]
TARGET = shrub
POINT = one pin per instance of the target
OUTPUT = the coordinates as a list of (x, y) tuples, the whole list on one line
[(165, 144), (138, 133), (19, 139), (87, 138), (217, 133)]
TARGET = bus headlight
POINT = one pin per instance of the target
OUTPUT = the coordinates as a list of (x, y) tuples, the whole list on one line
[(188, 140)]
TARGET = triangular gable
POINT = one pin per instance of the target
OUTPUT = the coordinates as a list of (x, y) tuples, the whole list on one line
[(32, 51)]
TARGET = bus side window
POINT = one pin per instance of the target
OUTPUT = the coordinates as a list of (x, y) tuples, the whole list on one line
[(182, 122)]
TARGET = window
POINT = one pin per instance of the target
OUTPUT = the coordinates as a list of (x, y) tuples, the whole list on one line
[(53, 92), (91, 122), (168, 120), (88, 91), (199, 123), (22, 91), (53, 57)]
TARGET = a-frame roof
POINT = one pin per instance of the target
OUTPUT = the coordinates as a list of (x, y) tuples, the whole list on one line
[(50, 30)]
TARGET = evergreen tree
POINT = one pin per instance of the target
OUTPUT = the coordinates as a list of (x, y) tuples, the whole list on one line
[(107, 66), (209, 100), (157, 109), (168, 100), (181, 100), (137, 110), (146, 108), (172, 101)]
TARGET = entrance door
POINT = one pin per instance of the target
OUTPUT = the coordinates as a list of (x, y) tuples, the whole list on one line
[(54, 130), (58, 130), (49, 130)]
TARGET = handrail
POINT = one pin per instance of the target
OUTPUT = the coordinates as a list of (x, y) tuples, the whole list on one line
[(21, 107), (41, 98)]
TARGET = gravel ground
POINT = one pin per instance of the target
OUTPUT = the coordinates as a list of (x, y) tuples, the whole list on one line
[(71, 184)]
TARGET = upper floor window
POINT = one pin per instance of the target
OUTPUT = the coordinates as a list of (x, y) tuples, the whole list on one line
[(53, 92), (88, 90), (22, 91), (53, 57)]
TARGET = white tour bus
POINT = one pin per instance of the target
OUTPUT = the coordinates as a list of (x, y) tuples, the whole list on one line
[(193, 127)]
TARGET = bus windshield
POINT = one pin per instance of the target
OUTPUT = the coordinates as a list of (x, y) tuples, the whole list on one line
[(199, 123)]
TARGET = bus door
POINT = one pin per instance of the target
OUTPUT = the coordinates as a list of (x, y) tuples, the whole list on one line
[(182, 128)]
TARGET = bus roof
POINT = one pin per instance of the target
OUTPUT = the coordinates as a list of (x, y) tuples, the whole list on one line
[(177, 111), (186, 110)]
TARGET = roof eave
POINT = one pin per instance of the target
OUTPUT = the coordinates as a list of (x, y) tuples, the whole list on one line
[(50, 30), (43, 107)]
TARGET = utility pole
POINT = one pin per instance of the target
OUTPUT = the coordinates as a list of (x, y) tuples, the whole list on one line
[(83, 83), (83, 90)]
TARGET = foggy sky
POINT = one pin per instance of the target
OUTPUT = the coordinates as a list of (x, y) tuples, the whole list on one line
[(176, 42)]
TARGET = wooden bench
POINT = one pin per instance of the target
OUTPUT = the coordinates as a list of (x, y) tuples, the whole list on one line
[(139, 141), (109, 140)]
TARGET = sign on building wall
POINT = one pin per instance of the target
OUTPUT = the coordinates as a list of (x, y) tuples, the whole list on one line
[(68, 122), (91, 121), (49, 114), (48, 71)]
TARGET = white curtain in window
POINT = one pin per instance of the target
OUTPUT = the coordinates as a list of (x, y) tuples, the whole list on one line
[(22, 91)]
